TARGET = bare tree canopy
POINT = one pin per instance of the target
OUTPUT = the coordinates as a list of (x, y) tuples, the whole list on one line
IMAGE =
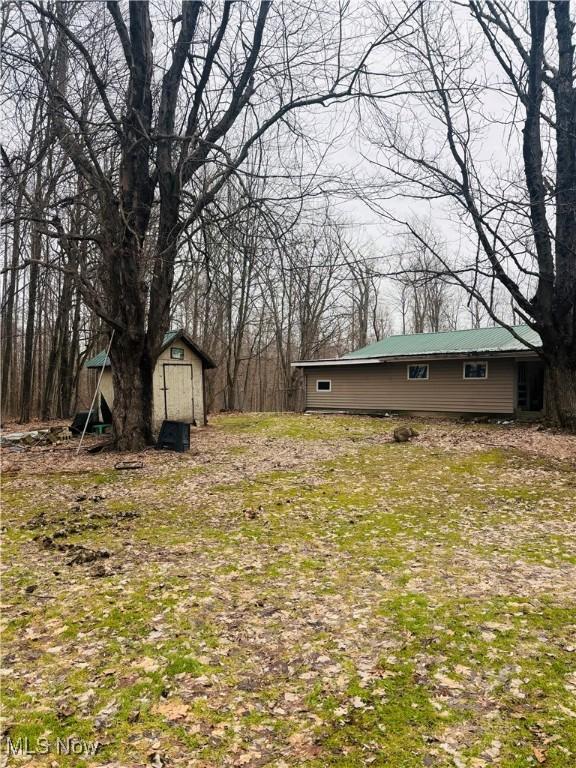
[(171, 163), (490, 135), (156, 108)]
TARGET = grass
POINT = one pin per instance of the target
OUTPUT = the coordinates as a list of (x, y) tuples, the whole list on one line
[(307, 427), (376, 605)]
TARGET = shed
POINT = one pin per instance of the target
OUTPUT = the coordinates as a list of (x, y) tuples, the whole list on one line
[(481, 371), (179, 391)]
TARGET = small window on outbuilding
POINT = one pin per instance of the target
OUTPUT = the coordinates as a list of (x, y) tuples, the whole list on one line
[(323, 385), (476, 369), (176, 353), (418, 372)]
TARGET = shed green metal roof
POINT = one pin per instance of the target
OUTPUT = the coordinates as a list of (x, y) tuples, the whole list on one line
[(471, 341), (97, 361), (101, 359)]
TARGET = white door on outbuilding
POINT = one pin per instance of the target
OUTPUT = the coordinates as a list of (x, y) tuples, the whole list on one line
[(178, 392)]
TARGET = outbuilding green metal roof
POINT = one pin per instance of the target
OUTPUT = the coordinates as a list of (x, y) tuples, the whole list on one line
[(475, 340), (101, 359), (97, 361)]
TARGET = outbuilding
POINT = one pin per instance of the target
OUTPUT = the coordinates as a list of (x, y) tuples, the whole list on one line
[(179, 387), (479, 371)]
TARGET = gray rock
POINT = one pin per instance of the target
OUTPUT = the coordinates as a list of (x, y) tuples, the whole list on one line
[(403, 434)]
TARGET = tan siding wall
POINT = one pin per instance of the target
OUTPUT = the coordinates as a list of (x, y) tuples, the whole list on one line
[(385, 387), (190, 358)]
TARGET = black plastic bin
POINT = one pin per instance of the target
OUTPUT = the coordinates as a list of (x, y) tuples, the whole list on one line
[(174, 436), (80, 420)]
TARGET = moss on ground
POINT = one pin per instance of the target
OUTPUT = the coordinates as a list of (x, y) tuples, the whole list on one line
[(395, 606), (303, 426)]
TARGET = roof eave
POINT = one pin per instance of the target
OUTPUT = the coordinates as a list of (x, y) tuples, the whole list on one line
[(182, 334), (336, 362), (91, 364), (422, 356)]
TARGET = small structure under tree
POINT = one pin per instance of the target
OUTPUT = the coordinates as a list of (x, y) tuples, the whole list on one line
[(178, 381)]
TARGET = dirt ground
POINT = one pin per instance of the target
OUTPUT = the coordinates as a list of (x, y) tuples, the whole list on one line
[(294, 591)]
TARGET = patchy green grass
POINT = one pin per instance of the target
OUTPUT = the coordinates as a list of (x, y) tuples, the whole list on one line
[(302, 592), (303, 426)]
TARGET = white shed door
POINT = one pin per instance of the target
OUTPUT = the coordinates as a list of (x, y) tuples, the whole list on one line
[(178, 393)]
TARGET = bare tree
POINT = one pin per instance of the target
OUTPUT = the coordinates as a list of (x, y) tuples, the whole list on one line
[(426, 296), (306, 298), (155, 150), (519, 208), (368, 318)]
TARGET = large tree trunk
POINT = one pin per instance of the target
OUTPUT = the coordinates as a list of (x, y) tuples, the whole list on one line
[(58, 361), (560, 393), (294, 396), (28, 366), (132, 369), (69, 368), (8, 313)]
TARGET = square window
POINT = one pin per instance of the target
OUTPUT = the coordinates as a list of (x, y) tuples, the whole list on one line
[(416, 372), (323, 385), (476, 369), (176, 353)]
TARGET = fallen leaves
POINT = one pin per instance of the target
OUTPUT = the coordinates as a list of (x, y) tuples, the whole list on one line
[(244, 620), (103, 718), (448, 682), (172, 710), (147, 664), (539, 754)]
